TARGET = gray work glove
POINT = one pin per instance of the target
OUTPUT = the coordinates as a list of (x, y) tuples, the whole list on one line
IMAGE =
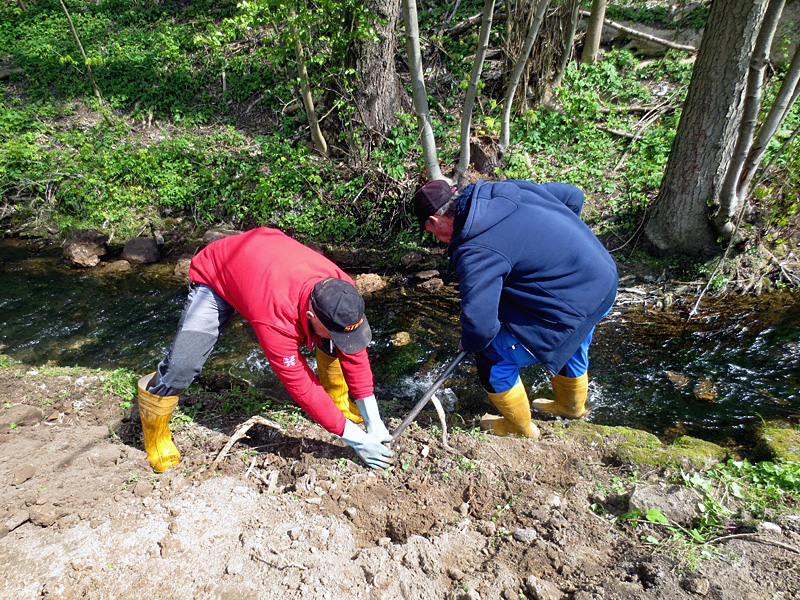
[(368, 407), (368, 446)]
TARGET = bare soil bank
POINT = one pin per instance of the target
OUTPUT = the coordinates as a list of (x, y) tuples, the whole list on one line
[(289, 514)]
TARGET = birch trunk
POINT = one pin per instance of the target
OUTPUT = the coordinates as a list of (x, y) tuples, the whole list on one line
[(419, 95), (472, 89), (591, 46), (305, 90), (729, 198), (505, 127)]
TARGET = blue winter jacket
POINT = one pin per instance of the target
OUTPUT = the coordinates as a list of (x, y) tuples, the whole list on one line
[(524, 258)]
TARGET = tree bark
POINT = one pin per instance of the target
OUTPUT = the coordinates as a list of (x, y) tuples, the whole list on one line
[(680, 221), (377, 95), (591, 46), (429, 154)]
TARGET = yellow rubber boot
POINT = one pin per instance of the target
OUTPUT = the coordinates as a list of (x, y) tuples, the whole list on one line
[(516, 420), (155, 412), (329, 371), (570, 401)]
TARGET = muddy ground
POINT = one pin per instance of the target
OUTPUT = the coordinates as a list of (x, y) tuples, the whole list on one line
[(288, 514)]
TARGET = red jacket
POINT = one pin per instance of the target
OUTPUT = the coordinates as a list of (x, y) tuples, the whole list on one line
[(268, 277)]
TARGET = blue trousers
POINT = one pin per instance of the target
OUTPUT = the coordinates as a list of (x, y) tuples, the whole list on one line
[(499, 363)]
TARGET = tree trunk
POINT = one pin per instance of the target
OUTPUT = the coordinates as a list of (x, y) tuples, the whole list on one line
[(305, 90), (729, 198), (428, 142), (680, 221), (568, 46), (787, 95), (591, 46), (472, 90), (505, 125), (377, 93)]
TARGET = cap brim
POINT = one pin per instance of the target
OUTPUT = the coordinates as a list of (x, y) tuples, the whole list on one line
[(351, 342)]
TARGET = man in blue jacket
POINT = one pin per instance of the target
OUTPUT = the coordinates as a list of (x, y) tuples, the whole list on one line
[(534, 281)]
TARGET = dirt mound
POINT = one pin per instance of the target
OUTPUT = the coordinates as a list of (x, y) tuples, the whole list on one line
[(290, 515)]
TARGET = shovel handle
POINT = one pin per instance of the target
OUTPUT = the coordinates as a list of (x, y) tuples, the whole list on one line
[(424, 400)]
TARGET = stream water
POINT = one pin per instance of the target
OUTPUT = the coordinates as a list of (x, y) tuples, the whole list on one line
[(717, 377)]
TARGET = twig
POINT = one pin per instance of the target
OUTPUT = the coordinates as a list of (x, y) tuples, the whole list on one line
[(719, 264), (752, 537), (766, 167), (789, 276), (240, 433), (648, 119), (252, 464), (271, 548), (450, 17)]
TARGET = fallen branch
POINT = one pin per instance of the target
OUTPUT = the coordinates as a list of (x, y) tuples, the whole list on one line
[(643, 36), (616, 132), (474, 20), (632, 108), (8, 72), (240, 433)]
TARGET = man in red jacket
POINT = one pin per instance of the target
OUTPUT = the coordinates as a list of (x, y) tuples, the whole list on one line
[(292, 296)]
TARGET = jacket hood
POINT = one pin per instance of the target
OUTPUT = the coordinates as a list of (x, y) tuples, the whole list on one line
[(486, 211)]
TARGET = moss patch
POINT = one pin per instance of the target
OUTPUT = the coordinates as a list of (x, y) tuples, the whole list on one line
[(627, 445), (778, 444)]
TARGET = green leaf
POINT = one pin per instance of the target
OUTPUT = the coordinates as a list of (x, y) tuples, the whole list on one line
[(655, 516), (696, 535), (634, 514), (650, 539)]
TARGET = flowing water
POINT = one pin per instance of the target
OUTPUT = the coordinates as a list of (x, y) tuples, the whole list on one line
[(717, 377)]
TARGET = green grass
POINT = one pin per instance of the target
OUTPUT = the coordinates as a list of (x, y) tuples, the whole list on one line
[(164, 64)]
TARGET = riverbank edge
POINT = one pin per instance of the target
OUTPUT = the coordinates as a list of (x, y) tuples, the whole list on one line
[(625, 445)]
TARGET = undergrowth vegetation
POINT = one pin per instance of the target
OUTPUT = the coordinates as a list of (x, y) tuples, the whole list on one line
[(730, 497), (199, 122)]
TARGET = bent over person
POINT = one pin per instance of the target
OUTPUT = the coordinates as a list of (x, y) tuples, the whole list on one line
[(292, 296), (534, 281)]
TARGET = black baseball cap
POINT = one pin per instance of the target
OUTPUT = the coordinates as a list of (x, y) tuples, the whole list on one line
[(430, 198), (340, 307)]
